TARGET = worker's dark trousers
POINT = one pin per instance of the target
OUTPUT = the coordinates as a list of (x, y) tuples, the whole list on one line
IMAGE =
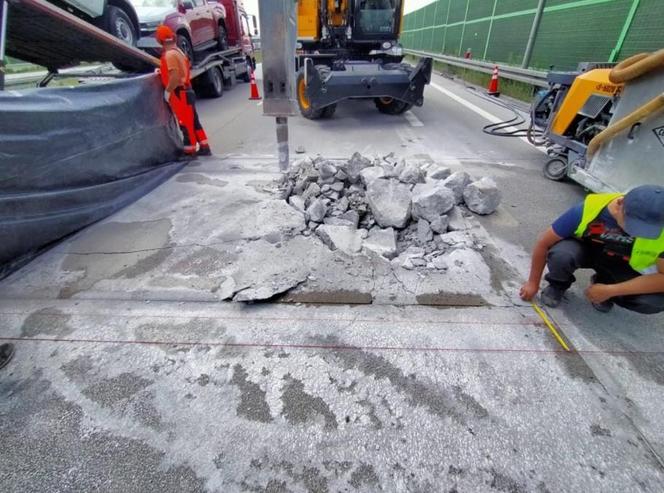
[(183, 103), (567, 256)]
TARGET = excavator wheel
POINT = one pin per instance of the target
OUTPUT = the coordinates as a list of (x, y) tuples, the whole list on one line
[(391, 106), (303, 101), (328, 111)]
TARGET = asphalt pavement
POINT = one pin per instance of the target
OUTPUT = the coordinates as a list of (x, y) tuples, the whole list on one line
[(138, 380)]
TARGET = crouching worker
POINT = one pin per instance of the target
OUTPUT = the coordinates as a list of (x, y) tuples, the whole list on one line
[(620, 237), (176, 78)]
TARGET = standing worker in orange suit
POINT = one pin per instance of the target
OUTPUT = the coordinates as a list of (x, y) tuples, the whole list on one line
[(176, 77)]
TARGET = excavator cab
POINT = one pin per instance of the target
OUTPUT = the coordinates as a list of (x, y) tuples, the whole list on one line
[(377, 20)]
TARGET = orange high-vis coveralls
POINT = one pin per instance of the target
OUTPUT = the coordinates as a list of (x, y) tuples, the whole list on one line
[(183, 99)]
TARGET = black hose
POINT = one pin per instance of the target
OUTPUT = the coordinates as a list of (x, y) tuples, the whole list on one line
[(499, 129)]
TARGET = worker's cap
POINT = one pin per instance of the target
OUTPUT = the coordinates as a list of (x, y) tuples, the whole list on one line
[(164, 33), (644, 211)]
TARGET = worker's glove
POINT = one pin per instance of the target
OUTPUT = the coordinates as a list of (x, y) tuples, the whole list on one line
[(167, 96)]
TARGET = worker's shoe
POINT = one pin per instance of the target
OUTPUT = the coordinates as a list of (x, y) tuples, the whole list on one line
[(552, 296), (6, 353), (604, 306), (204, 151)]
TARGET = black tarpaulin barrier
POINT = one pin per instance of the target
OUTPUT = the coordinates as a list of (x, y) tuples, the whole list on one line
[(72, 156)]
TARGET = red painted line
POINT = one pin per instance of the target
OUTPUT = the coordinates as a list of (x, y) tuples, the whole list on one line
[(526, 322), (329, 347)]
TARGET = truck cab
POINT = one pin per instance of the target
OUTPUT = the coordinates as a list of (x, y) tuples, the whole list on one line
[(239, 29)]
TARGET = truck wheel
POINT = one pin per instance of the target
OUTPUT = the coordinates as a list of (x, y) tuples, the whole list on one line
[(185, 45), (222, 39), (212, 83), (303, 101), (246, 75), (391, 106)]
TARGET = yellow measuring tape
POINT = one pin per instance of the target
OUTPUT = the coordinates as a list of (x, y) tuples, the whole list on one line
[(551, 327)]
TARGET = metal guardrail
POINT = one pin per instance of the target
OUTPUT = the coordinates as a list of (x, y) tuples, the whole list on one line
[(28, 78), (533, 77)]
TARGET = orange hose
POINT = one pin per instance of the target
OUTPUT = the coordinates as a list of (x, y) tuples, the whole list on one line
[(636, 66), (624, 123)]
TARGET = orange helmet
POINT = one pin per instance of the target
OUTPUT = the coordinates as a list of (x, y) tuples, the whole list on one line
[(164, 33)]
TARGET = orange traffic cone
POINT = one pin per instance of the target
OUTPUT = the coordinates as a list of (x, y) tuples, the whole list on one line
[(493, 84), (254, 95)]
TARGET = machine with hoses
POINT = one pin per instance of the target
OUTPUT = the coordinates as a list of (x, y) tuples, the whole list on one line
[(602, 125)]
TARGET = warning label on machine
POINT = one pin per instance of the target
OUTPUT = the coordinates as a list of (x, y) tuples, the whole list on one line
[(659, 132)]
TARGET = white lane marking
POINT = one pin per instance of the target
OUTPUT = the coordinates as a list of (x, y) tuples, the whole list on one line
[(476, 109), (412, 119)]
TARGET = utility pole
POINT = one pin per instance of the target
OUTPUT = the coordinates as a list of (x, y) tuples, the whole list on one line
[(533, 34), (4, 10), (278, 21)]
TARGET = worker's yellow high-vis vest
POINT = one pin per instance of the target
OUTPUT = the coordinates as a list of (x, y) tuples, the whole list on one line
[(645, 252)]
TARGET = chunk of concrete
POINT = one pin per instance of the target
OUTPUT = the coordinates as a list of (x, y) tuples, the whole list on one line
[(342, 205), (424, 233), (432, 200), (457, 221), (344, 238), (411, 174), (390, 202), (482, 196), (457, 182), (327, 170), (440, 224), (317, 211), (355, 166), (382, 241), (350, 218), (337, 186), (438, 172), (370, 174), (297, 202), (414, 252), (312, 191), (456, 239)]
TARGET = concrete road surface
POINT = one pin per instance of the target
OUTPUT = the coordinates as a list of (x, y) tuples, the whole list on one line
[(138, 380)]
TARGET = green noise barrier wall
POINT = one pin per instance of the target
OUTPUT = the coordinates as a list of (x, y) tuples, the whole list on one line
[(571, 31)]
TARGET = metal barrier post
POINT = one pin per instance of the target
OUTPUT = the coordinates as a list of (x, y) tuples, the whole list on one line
[(533, 34)]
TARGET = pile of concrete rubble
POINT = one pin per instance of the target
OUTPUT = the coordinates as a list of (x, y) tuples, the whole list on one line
[(407, 212)]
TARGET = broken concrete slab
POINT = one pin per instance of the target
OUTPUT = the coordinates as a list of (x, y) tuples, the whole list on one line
[(390, 202), (345, 238), (482, 197), (382, 241), (431, 200)]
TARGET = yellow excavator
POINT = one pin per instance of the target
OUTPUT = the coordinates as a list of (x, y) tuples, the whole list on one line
[(349, 49)]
